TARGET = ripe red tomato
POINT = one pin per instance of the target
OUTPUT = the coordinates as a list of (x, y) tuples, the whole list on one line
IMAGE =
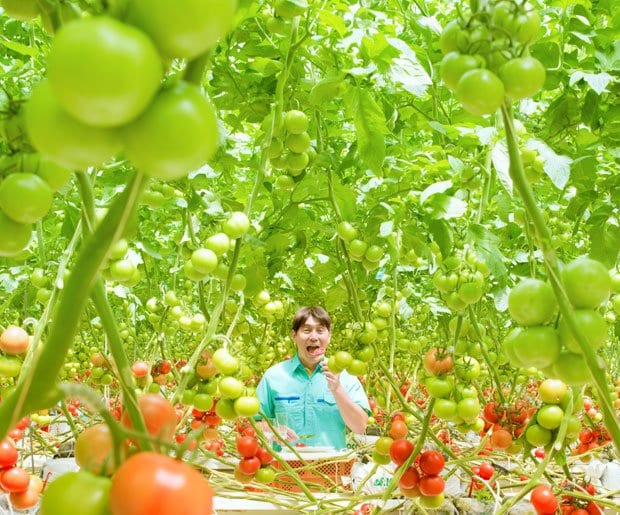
[(398, 429), (431, 485), (24, 500), (249, 466), (400, 450), (543, 500), (247, 446), (501, 439), (493, 412), (486, 471), (154, 484), (264, 456), (8, 453), (14, 340), (431, 462), (409, 479), (159, 416), (14, 479)]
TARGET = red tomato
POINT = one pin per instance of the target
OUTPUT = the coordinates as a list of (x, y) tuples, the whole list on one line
[(409, 479), (400, 450), (431, 485), (543, 500), (249, 466), (154, 484), (493, 412), (398, 429), (14, 479), (501, 439), (8, 453), (24, 500), (431, 462), (159, 416), (264, 456), (247, 446), (486, 471), (438, 361)]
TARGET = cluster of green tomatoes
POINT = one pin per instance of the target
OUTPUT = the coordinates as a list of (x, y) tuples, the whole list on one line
[(486, 57)]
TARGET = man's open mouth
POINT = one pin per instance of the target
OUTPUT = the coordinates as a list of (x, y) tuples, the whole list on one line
[(314, 350)]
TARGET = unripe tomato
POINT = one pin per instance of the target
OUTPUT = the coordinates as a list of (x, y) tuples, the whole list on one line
[(522, 77), (532, 302), (480, 91), (63, 139), (184, 28), (15, 236), (295, 121), (25, 197), (175, 135), (103, 72), (21, 9)]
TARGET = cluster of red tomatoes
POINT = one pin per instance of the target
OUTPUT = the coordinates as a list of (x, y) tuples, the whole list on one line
[(23, 489), (591, 438), (577, 505), (506, 423), (484, 471), (255, 462)]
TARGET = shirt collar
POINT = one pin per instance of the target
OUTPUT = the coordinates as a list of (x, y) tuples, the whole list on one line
[(296, 365)]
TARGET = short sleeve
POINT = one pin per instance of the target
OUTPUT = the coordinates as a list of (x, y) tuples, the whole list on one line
[(263, 392), (356, 392)]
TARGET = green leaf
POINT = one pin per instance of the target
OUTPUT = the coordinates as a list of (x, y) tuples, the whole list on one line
[(486, 243), (19, 47), (597, 81), (407, 71), (605, 242), (442, 234), (335, 298), (438, 187), (331, 19), (345, 198), (265, 67), (370, 128), (446, 206), (556, 167), (326, 90)]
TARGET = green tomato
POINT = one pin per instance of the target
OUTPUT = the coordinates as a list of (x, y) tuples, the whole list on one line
[(295, 122), (25, 197), (175, 135), (204, 260), (587, 282), (591, 324), (467, 368), (537, 435), (532, 302), (61, 496), (184, 28), (237, 225), (218, 243), (453, 38), (10, 366), (15, 236), (63, 139), (549, 416), (346, 231), (572, 369), (298, 142), (537, 346), (522, 77), (480, 91), (247, 406), (21, 9), (103, 72)]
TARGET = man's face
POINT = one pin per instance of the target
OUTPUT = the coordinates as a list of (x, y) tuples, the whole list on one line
[(312, 339)]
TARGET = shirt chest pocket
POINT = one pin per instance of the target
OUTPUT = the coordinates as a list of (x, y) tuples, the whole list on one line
[(289, 410), (326, 401)]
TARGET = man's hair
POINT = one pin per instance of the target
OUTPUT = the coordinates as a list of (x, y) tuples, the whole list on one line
[(316, 312)]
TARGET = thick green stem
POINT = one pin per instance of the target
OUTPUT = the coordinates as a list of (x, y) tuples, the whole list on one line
[(544, 240), (36, 390)]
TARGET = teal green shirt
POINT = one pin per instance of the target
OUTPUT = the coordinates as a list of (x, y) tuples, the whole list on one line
[(310, 407)]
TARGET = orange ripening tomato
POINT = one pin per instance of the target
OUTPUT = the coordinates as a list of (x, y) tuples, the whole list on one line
[(154, 484), (159, 416)]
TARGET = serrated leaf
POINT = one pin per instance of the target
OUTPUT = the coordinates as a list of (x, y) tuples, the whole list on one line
[(407, 71), (597, 81), (555, 166), (370, 128), (438, 187)]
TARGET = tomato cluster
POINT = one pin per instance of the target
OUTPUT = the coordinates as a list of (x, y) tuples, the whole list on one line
[(486, 56), (422, 479), (23, 489), (578, 505), (255, 460), (121, 267), (289, 149), (461, 279), (555, 350), (210, 258)]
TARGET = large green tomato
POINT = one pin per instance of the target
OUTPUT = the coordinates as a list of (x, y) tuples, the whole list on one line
[(587, 282), (25, 197), (522, 77), (184, 28), (454, 65), (591, 325), (532, 302), (63, 139), (572, 369), (104, 73), (76, 493), (15, 236), (175, 135), (537, 346), (480, 91)]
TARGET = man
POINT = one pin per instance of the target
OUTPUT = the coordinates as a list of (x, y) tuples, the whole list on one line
[(310, 403)]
